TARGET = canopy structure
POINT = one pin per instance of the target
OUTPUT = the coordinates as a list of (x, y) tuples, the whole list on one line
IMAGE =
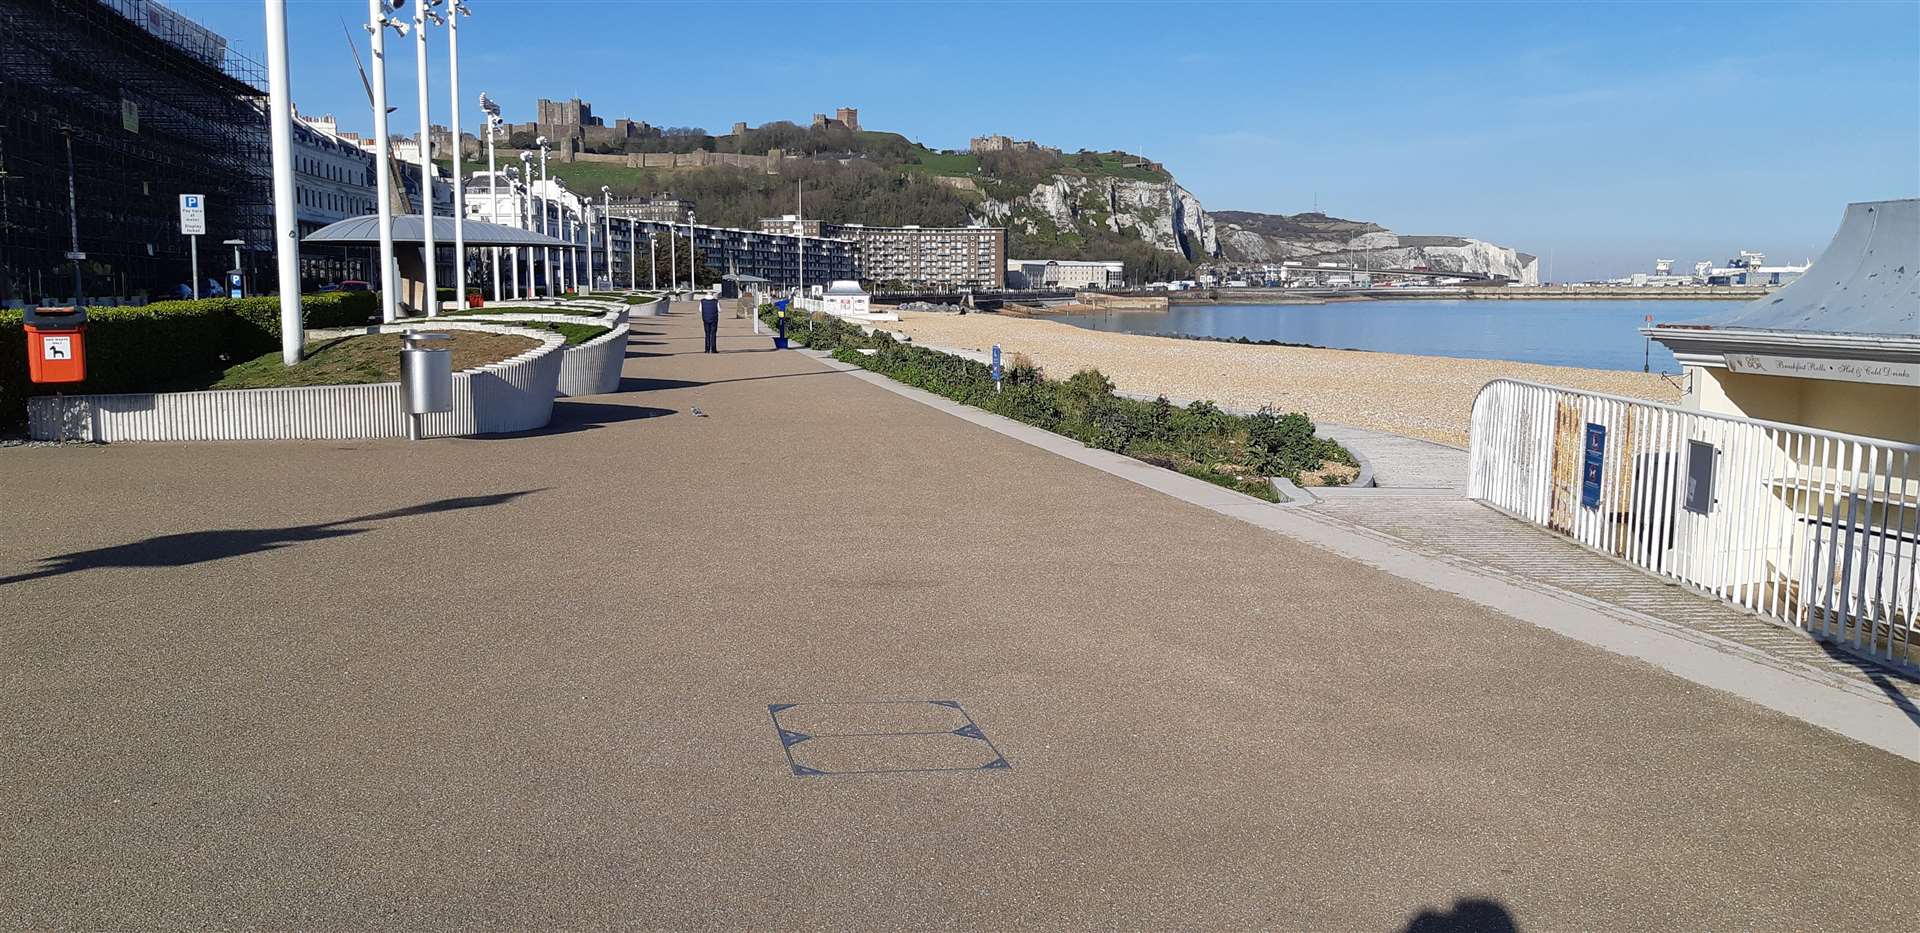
[(407, 228), (1860, 300)]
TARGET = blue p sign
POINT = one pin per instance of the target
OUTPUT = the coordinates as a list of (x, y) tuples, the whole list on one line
[(996, 362)]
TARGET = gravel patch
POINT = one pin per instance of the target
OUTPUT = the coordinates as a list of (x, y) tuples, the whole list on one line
[(1429, 397)]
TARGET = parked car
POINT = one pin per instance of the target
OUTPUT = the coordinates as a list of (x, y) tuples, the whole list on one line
[(352, 285)]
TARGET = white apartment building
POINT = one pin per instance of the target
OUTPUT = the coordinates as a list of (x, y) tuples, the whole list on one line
[(1065, 274), (332, 180), (914, 257)]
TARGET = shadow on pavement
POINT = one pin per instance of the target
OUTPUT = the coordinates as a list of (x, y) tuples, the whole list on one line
[(199, 547), (1469, 915), (637, 384), (1881, 676), (570, 416)]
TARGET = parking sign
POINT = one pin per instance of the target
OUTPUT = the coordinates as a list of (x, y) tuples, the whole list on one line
[(193, 215)]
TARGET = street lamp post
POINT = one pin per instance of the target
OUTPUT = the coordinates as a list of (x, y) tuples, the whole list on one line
[(378, 22), (693, 277), (423, 14), (633, 255), (526, 212), (673, 258), (546, 254), (454, 13), (492, 110), (563, 225), (653, 262), (286, 234), (513, 253), (589, 225), (606, 220), (74, 254)]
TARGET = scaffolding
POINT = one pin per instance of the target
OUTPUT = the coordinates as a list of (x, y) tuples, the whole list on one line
[(153, 106)]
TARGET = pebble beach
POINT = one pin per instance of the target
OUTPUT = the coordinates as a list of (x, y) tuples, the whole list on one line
[(1428, 397)]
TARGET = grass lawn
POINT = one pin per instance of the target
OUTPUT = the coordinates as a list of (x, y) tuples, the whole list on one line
[(364, 358), (576, 334), (935, 163), (1119, 168)]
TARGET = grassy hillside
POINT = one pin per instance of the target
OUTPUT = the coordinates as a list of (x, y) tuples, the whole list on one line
[(882, 179)]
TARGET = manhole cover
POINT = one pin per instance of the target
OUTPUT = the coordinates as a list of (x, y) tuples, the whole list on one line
[(882, 737)]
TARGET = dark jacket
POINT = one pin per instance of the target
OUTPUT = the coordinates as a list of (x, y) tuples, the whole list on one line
[(710, 310)]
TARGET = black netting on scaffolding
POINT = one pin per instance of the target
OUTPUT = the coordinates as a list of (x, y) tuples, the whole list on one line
[(153, 107)]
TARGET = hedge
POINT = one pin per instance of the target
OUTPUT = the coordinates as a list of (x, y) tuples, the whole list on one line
[(168, 344), (1200, 440)]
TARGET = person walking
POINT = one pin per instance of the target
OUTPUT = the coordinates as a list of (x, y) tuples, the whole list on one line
[(710, 319)]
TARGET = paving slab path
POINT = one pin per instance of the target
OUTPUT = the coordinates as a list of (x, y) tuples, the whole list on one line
[(554, 681)]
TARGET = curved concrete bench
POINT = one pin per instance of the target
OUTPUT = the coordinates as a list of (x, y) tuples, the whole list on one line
[(590, 368), (514, 394), (653, 308), (593, 368)]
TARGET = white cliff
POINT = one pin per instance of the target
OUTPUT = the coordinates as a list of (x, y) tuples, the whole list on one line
[(1168, 217), (1264, 238), (1161, 213)]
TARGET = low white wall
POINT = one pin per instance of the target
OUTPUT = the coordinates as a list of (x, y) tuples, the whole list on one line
[(515, 394), (591, 368)]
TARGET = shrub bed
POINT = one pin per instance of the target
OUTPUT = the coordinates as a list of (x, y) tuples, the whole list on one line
[(168, 343), (1199, 440), (575, 334)]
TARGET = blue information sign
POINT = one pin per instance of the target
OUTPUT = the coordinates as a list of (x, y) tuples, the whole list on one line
[(1596, 458), (996, 362)]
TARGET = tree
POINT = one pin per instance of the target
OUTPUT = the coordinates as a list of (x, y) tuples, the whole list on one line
[(674, 248)]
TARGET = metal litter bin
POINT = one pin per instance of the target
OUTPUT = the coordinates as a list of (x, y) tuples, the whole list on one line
[(426, 377)]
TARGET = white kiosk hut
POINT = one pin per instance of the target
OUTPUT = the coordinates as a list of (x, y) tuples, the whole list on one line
[(1837, 349), (846, 299), (1789, 480)]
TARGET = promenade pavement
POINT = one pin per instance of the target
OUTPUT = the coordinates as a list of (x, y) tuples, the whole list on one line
[(543, 681)]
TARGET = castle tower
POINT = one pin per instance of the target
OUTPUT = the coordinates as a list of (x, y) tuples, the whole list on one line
[(848, 116)]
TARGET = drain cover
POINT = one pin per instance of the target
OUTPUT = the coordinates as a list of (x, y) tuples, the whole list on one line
[(882, 737)]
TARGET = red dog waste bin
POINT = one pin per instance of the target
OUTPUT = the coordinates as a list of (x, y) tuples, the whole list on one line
[(56, 344)]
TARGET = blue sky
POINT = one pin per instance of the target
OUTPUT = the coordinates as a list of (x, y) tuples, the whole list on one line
[(1602, 135)]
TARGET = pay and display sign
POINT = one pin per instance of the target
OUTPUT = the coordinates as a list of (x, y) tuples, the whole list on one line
[(193, 215)]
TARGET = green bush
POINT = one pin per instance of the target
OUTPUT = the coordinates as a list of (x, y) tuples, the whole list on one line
[(169, 343), (1199, 440)]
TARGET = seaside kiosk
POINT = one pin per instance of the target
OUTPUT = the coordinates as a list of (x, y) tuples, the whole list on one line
[(1788, 479), (1837, 349), (1823, 521)]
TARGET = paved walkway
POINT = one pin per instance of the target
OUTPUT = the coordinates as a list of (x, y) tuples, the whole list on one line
[(1401, 462), (566, 680), (1487, 540)]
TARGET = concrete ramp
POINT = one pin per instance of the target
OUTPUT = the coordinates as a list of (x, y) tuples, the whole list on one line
[(1867, 282)]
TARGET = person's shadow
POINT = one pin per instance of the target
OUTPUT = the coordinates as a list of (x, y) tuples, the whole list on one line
[(199, 547), (1469, 915)]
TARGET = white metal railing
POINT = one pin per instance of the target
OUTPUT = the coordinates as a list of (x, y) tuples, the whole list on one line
[(1813, 528)]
